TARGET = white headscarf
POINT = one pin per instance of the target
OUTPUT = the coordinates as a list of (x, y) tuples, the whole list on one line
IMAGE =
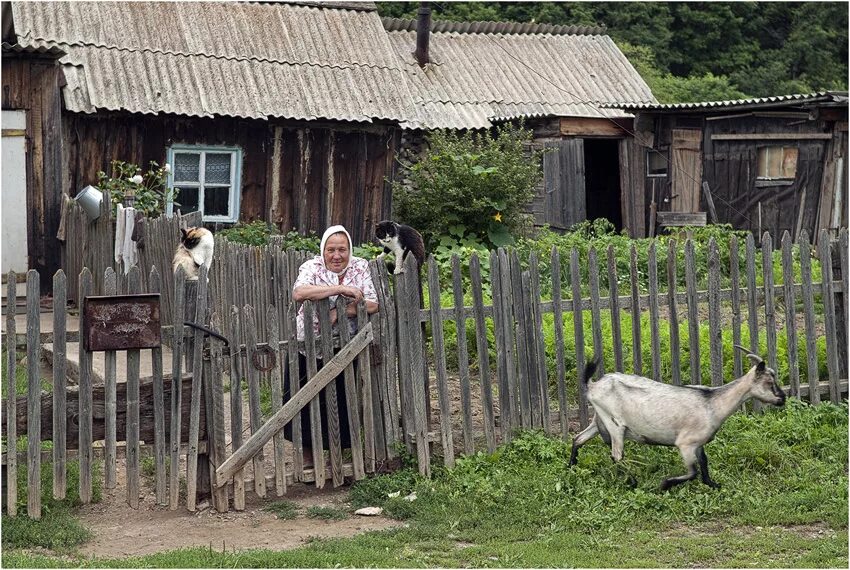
[(328, 233)]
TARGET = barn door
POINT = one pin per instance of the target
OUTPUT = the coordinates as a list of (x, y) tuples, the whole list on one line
[(686, 170), (564, 191)]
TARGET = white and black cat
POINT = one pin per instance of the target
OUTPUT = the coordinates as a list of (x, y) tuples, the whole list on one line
[(195, 249), (400, 240)]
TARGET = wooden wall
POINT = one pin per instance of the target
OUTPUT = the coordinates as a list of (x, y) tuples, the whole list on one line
[(32, 84)]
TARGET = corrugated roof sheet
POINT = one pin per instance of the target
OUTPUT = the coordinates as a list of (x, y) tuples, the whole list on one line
[(476, 78), (404, 25), (775, 101), (221, 58)]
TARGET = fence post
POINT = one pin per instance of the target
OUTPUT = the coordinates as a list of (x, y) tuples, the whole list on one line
[(11, 410), (60, 381), (85, 403), (809, 313)]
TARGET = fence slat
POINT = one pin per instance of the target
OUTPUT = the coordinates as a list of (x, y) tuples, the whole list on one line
[(655, 337), (178, 310), (34, 396), (673, 309), (60, 381), (809, 313), (134, 286), (110, 287), (236, 375), (294, 386), (200, 304), (330, 391), (578, 331), (693, 322), (85, 404), (613, 295), (405, 365), (255, 415), (275, 379), (439, 346), (752, 298), (637, 357), (353, 400), (735, 279), (155, 286), (520, 307), (558, 323), (790, 314), (409, 291), (214, 386), (769, 306), (462, 358), (507, 301), (715, 340), (844, 250), (527, 314), (315, 409), (829, 316), (11, 398), (388, 388), (542, 371), (483, 353), (596, 327), (499, 338)]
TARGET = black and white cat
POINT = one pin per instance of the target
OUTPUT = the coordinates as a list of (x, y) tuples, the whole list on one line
[(400, 240)]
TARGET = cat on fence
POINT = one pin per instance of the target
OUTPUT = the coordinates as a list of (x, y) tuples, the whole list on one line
[(195, 250), (400, 240)]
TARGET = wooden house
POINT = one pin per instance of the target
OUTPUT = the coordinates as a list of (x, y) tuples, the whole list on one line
[(769, 164)]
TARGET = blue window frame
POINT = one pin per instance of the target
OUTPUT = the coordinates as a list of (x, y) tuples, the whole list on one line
[(206, 179)]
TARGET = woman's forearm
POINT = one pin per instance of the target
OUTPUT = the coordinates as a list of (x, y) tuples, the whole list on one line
[(314, 292)]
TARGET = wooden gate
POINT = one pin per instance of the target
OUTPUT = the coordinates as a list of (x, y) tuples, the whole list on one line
[(563, 170), (686, 170)]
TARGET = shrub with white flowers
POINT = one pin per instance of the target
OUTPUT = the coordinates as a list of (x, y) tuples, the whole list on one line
[(150, 189)]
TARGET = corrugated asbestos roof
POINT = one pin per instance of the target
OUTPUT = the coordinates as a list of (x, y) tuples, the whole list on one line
[(221, 58), (322, 60), (476, 78), (761, 102)]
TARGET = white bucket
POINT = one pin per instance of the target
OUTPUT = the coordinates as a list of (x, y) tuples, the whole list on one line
[(90, 198)]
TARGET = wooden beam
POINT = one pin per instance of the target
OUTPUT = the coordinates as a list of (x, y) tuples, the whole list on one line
[(590, 127), (668, 219), (772, 136)]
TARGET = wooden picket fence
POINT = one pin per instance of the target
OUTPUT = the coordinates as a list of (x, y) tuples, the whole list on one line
[(515, 377)]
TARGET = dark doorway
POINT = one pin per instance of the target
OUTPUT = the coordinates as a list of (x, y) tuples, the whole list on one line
[(602, 180)]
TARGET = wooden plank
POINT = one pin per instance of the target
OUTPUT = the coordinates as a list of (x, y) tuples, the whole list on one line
[(386, 367), (706, 191), (613, 286), (511, 384), (438, 340), (215, 429), (484, 352), (308, 393), (844, 250), (693, 321), (134, 286), (255, 415), (60, 380), (771, 136), (85, 403), (200, 299), (735, 281), (542, 371), (655, 337), (809, 315), (582, 126), (462, 358), (790, 314), (34, 398), (519, 326), (673, 311), (294, 386), (501, 355), (154, 286), (715, 329), (578, 331), (410, 291), (752, 295), (179, 308), (236, 375), (637, 358), (405, 365), (825, 254), (352, 397), (315, 409), (331, 402), (275, 380), (769, 306), (593, 279), (672, 219), (558, 325), (110, 287), (527, 311)]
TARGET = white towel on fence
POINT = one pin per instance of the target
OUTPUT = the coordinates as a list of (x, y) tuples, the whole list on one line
[(129, 252), (119, 232)]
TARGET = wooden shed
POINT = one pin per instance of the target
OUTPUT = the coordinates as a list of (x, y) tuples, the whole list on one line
[(769, 164)]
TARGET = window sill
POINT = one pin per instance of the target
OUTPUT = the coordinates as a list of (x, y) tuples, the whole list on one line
[(761, 183)]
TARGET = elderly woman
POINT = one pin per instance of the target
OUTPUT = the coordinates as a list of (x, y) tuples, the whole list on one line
[(332, 273)]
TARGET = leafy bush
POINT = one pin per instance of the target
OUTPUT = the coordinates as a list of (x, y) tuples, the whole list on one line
[(251, 233), (149, 188), (474, 184)]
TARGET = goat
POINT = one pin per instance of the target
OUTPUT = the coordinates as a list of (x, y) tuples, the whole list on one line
[(687, 417)]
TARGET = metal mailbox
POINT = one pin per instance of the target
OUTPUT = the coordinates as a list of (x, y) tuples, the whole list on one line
[(121, 322)]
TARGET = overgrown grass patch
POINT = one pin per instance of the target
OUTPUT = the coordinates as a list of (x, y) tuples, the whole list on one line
[(282, 509), (326, 513)]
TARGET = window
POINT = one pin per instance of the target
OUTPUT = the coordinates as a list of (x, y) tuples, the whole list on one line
[(656, 162), (207, 180), (777, 162)]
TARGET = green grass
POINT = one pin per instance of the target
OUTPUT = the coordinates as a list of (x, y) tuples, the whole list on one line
[(326, 513), (282, 509), (783, 504)]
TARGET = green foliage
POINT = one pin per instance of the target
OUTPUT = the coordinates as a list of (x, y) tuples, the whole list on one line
[(474, 185), (251, 233), (149, 188), (294, 240), (326, 513), (282, 509)]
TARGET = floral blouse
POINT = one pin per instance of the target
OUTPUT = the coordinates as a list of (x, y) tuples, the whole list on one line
[(313, 272)]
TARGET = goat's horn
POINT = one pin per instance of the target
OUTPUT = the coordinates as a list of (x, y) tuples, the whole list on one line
[(754, 357)]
